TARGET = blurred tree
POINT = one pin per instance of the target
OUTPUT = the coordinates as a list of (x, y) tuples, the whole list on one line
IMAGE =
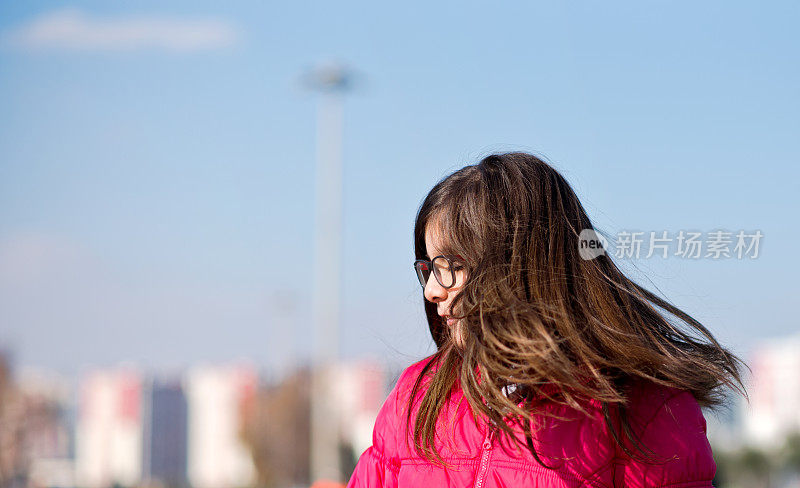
[(347, 458), (757, 464), (791, 452), (277, 431), (726, 466)]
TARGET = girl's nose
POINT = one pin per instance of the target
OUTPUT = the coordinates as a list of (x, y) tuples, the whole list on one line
[(434, 292)]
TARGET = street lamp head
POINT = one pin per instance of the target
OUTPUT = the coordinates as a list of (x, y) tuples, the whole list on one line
[(329, 77)]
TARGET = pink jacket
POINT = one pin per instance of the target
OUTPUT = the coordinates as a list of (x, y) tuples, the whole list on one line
[(669, 422)]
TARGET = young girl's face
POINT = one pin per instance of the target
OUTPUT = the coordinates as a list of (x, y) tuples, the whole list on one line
[(436, 293)]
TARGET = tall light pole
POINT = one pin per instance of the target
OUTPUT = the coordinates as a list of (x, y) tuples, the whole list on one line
[(332, 81)]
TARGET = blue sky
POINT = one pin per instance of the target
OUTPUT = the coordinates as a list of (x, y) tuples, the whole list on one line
[(156, 185)]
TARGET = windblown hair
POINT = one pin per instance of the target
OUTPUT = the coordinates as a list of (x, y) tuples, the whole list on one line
[(534, 313)]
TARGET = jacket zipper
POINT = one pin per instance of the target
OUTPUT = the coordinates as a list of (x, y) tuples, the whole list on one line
[(486, 454)]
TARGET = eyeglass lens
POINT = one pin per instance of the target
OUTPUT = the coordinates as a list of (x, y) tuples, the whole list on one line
[(442, 271)]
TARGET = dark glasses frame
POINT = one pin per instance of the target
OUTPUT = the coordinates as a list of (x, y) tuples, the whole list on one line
[(422, 266)]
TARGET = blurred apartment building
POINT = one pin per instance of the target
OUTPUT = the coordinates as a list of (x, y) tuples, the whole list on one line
[(109, 431), (774, 389), (165, 425), (218, 399), (359, 391)]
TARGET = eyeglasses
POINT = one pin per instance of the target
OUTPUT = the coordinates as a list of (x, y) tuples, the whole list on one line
[(448, 270)]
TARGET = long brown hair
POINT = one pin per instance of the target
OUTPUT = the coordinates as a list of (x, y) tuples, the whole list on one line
[(534, 313)]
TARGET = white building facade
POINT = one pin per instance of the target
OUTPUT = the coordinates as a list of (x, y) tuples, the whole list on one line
[(216, 398), (109, 429)]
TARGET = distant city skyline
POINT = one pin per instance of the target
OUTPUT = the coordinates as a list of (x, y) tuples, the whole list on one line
[(212, 426), (156, 185), (208, 425)]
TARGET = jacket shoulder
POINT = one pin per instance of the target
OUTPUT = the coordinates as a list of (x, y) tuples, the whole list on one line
[(672, 429)]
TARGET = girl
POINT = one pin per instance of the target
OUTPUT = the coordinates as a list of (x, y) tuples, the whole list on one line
[(553, 369)]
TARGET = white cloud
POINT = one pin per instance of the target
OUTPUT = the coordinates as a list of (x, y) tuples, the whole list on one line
[(74, 30)]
